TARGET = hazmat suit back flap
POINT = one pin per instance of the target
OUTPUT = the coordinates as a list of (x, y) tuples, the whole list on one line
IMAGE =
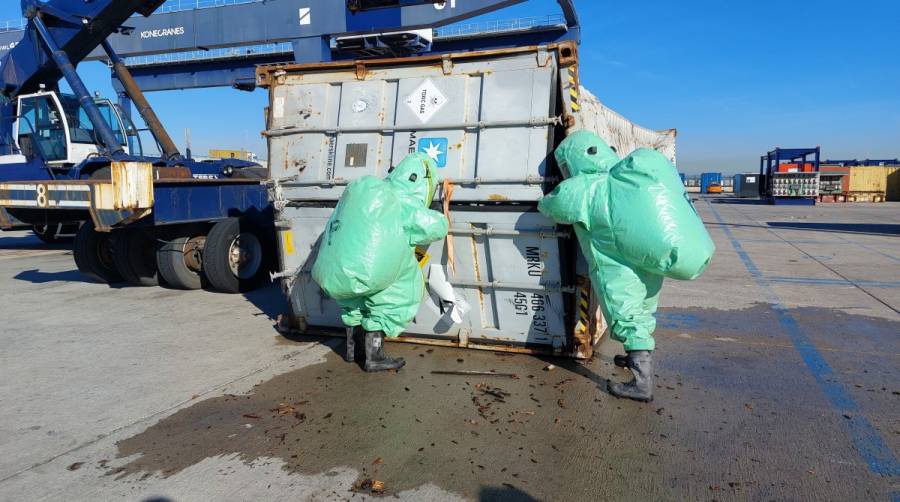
[(655, 224), (635, 210), (359, 252), (368, 241)]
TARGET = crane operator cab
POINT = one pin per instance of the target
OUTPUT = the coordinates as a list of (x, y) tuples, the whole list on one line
[(55, 128)]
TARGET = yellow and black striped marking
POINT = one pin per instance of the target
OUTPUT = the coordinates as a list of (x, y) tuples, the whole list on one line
[(584, 309), (573, 89)]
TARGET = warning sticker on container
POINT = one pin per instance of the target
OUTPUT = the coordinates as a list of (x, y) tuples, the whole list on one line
[(278, 108), (426, 100)]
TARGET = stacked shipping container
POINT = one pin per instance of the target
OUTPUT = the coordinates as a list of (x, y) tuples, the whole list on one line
[(863, 183)]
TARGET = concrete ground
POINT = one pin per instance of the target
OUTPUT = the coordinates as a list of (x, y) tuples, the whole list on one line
[(778, 378)]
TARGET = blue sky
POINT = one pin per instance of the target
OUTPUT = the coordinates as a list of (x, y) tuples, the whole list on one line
[(735, 78)]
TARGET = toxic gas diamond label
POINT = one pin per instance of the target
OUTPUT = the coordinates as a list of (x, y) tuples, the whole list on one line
[(426, 100)]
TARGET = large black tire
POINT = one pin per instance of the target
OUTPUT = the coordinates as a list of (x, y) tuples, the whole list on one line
[(180, 262), (135, 257), (94, 254), (237, 255)]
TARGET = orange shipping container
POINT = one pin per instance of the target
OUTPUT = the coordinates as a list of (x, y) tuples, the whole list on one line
[(795, 168)]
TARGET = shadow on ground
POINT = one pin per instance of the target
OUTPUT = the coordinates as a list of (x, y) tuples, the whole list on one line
[(30, 242), (269, 300), (505, 493), (739, 201), (36, 276), (851, 228)]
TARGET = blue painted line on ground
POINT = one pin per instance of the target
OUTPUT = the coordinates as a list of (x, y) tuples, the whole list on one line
[(865, 438), (672, 320), (812, 281)]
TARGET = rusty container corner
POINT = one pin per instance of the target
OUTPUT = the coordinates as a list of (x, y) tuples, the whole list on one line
[(492, 119)]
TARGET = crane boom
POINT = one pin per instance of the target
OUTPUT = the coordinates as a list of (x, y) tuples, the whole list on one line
[(76, 27)]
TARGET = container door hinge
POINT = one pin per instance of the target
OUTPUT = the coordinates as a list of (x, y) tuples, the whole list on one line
[(361, 70), (559, 344), (464, 338), (543, 56), (446, 64)]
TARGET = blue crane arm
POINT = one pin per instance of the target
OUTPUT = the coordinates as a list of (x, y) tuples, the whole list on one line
[(77, 28), (258, 23)]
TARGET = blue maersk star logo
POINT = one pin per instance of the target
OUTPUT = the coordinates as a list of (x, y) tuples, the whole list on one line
[(436, 148)]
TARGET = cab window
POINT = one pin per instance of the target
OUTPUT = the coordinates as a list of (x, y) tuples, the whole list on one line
[(41, 129), (81, 130), (109, 115)]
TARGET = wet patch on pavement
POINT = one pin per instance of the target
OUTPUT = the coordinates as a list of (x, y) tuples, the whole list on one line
[(403, 430), (736, 415)]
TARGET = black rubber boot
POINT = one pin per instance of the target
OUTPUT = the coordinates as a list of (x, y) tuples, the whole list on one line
[(621, 360), (641, 387), (350, 355), (376, 360)]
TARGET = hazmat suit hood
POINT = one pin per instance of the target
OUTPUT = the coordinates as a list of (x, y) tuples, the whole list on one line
[(584, 152), (415, 177)]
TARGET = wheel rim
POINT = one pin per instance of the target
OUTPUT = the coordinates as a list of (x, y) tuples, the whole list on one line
[(193, 253), (245, 256), (105, 252)]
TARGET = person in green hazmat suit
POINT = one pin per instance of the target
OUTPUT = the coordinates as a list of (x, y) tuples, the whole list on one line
[(366, 259), (635, 225)]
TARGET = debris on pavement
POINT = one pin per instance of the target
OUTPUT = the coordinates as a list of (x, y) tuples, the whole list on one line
[(369, 485), (476, 373)]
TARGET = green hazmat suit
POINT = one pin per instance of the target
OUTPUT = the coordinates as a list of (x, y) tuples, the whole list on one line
[(366, 260), (635, 225)]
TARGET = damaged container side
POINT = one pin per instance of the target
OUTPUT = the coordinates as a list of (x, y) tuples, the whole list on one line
[(514, 268), (623, 135), (487, 119), (490, 120)]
